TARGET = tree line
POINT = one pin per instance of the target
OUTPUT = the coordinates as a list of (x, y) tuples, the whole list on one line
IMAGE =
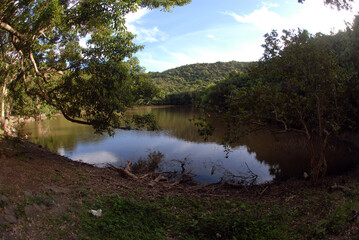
[(305, 83)]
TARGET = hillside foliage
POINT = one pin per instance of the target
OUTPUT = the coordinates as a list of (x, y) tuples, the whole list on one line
[(181, 85)]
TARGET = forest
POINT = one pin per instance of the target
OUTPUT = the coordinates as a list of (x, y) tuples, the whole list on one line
[(306, 83), (181, 85)]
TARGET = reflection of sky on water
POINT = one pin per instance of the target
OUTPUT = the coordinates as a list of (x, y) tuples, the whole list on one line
[(100, 158), (202, 157)]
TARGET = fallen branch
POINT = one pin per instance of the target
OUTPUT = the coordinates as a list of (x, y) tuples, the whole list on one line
[(264, 190), (181, 177), (157, 179), (126, 170)]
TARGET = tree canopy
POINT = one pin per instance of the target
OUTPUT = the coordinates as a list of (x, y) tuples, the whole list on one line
[(304, 83), (42, 60), (339, 4)]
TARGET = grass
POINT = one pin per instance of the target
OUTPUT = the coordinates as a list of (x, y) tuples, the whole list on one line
[(123, 219), (194, 218)]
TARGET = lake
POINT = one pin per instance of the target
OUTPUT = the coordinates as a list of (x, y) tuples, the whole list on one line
[(257, 158)]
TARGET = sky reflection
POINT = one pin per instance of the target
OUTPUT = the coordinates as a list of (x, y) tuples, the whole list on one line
[(201, 157)]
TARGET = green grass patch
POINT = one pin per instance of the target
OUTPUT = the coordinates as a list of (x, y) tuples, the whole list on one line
[(123, 219), (181, 218), (230, 220)]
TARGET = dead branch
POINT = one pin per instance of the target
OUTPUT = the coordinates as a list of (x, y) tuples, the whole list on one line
[(264, 190), (126, 170), (182, 177), (157, 179), (183, 163)]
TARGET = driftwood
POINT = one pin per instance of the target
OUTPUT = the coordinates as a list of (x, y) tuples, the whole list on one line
[(157, 179), (126, 170), (151, 176), (182, 176)]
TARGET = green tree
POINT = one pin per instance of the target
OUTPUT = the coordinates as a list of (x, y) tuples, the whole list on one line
[(339, 4), (298, 85), (43, 60)]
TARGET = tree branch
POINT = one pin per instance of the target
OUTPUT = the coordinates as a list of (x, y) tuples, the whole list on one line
[(279, 120), (11, 30), (34, 64)]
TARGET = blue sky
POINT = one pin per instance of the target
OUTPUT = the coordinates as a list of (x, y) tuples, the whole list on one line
[(207, 31)]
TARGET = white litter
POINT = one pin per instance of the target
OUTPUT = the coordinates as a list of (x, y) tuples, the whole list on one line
[(97, 213)]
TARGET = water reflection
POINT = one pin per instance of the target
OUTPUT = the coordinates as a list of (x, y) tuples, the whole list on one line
[(266, 155)]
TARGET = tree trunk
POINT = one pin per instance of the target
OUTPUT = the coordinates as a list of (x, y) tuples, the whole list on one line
[(321, 166), (3, 103), (6, 103)]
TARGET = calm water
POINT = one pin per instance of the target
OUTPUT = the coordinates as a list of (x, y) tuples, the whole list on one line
[(266, 155)]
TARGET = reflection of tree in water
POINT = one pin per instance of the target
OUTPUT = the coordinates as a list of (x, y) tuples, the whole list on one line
[(286, 154), (60, 133), (247, 177)]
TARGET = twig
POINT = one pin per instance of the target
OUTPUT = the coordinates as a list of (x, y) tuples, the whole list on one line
[(263, 191)]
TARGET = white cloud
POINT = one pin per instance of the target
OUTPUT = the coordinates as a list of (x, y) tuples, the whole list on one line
[(135, 17), (312, 15), (154, 64), (210, 36), (261, 18), (143, 35), (269, 4), (249, 51)]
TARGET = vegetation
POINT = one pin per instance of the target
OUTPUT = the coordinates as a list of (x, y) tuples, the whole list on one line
[(339, 4), (43, 63), (181, 86), (304, 83)]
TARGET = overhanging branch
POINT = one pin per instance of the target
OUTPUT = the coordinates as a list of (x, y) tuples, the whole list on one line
[(11, 30)]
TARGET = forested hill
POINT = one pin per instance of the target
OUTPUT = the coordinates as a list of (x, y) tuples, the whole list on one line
[(194, 77)]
